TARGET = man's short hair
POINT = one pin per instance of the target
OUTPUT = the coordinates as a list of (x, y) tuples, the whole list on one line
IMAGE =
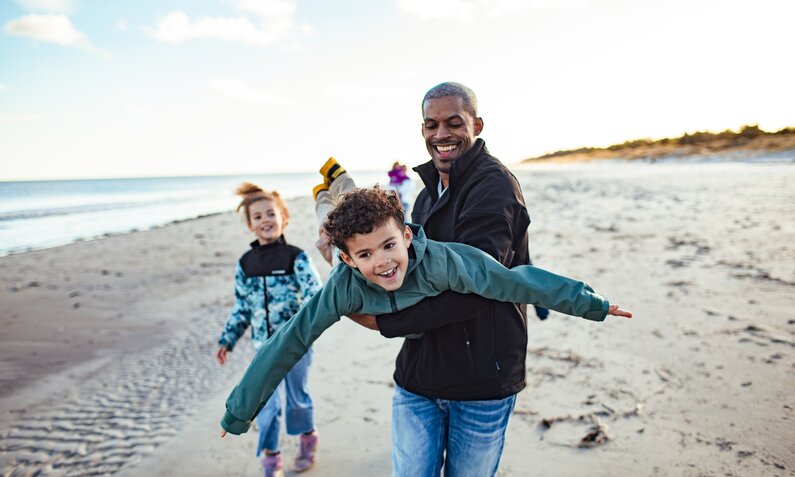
[(359, 212), (450, 88)]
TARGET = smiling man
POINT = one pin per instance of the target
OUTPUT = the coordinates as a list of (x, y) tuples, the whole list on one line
[(457, 384)]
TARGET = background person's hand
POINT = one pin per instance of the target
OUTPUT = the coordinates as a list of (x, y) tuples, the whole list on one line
[(616, 311)]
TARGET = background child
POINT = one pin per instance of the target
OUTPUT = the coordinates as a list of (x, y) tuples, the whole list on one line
[(389, 266), (400, 182), (272, 280)]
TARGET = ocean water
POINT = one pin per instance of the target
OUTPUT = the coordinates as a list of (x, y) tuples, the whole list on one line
[(42, 214)]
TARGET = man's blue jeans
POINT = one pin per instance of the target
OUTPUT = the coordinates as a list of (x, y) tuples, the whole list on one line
[(466, 436), (299, 413)]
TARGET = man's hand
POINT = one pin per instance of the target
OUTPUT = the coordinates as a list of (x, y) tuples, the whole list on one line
[(616, 311), (220, 356), (368, 321)]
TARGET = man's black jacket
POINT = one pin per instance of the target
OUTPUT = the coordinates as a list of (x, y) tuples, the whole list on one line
[(472, 348)]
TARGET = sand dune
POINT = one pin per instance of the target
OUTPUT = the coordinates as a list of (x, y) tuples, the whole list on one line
[(106, 363)]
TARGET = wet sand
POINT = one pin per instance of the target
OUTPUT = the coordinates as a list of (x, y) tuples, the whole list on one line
[(106, 363)]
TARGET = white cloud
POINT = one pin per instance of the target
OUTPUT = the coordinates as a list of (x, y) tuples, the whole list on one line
[(268, 22), (47, 6), (51, 29), (3, 87), (238, 90), (469, 10), (121, 25)]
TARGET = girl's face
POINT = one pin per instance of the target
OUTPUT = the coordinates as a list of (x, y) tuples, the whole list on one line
[(265, 219)]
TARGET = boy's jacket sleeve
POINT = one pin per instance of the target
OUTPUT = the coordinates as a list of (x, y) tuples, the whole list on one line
[(473, 271), (286, 347)]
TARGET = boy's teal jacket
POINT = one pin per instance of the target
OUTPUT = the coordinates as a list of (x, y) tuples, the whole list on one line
[(437, 267)]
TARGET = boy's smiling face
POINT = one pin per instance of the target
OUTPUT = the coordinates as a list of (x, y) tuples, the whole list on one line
[(382, 255)]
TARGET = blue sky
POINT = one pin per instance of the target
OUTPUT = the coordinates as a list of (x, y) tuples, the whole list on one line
[(145, 88)]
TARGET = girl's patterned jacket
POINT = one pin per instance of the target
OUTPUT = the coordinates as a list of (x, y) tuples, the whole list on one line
[(271, 283)]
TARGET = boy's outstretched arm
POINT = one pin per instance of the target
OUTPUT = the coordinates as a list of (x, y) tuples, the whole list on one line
[(280, 352), (470, 270)]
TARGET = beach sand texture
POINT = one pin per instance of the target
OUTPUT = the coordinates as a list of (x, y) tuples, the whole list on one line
[(107, 347)]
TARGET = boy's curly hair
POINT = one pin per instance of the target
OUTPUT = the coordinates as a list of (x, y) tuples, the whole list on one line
[(359, 212)]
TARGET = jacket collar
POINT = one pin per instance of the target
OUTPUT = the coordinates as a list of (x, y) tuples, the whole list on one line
[(430, 176), (255, 245)]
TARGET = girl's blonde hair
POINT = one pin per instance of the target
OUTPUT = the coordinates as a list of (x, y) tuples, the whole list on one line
[(251, 193)]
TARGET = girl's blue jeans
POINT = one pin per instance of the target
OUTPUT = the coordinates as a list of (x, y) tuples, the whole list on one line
[(466, 436), (299, 412)]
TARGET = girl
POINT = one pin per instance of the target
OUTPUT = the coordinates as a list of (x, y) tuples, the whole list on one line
[(272, 280)]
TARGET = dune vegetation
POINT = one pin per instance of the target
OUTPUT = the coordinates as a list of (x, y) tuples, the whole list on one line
[(749, 141)]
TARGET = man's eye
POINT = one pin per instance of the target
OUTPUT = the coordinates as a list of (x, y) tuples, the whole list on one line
[(430, 126), (456, 125)]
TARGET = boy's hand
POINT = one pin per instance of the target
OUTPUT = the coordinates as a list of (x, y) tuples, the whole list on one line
[(220, 356), (616, 311), (223, 434)]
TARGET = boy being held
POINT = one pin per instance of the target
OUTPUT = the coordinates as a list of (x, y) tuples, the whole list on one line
[(389, 266)]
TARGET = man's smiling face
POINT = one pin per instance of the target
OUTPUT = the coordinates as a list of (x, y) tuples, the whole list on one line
[(449, 130)]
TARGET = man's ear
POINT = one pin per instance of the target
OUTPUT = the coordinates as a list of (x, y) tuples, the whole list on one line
[(408, 235), (347, 259), (478, 126)]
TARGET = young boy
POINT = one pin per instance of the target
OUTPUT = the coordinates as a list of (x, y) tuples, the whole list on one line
[(389, 266)]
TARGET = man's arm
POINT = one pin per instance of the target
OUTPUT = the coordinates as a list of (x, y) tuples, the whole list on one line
[(427, 315)]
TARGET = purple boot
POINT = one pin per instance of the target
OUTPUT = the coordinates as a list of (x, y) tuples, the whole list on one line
[(306, 453), (273, 465)]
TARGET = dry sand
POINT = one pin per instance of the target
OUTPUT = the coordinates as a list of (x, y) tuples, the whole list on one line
[(106, 356)]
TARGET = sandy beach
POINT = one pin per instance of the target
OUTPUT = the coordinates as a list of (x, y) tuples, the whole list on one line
[(107, 346)]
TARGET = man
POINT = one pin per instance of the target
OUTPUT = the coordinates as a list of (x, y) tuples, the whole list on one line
[(457, 383)]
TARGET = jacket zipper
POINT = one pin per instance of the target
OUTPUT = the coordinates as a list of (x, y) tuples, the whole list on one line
[(267, 311), (392, 301)]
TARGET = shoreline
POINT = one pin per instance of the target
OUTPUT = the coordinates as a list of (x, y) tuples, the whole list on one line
[(107, 364), (768, 157)]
